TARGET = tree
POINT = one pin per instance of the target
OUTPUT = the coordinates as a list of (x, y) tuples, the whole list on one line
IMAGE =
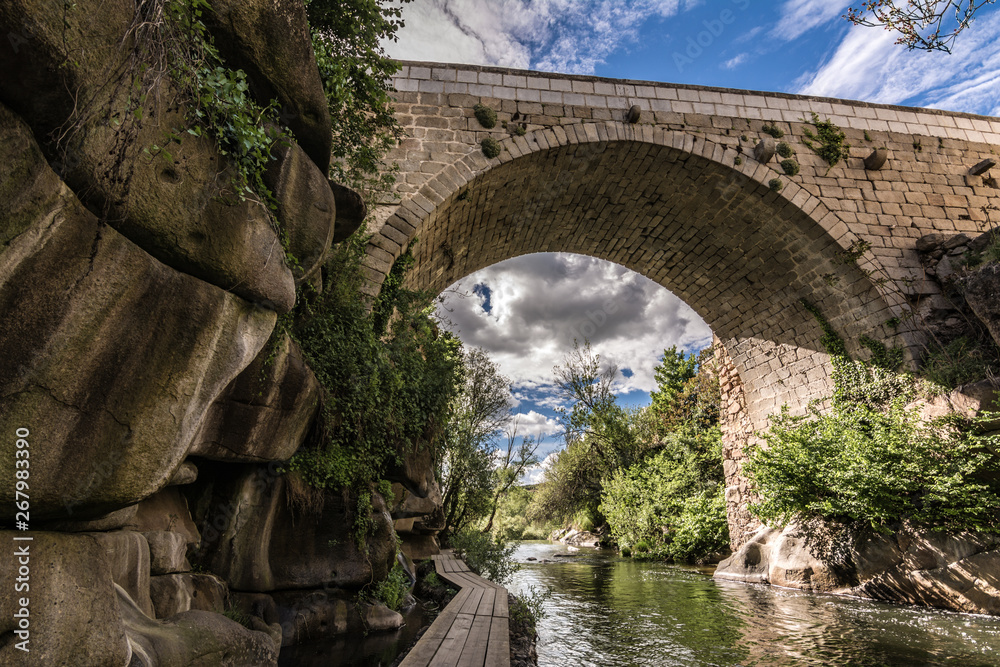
[(356, 71), (594, 417), (515, 462), (930, 25), (688, 394), (466, 470)]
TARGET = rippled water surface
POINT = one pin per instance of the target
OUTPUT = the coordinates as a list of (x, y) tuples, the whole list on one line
[(606, 610)]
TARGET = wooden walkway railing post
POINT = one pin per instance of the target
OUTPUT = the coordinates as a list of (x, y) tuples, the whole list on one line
[(472, 631)]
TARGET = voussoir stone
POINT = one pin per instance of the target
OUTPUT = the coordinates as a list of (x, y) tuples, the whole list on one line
[(266, 411), (118, 356)]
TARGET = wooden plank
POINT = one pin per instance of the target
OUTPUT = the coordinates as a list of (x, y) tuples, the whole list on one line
[(500, 604), (486, 604), (422, 654), (498, 649), (474, 653), (472, 631), (472, 603), (453, 644)]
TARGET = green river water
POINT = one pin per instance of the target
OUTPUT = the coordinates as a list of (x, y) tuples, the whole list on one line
[(607, 610)]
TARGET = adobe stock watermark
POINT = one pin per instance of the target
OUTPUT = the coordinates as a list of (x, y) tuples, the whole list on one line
[(714, 28), (596, 319), (22, 546)]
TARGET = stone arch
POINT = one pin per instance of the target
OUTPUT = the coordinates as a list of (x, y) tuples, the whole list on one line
[(677, 208)]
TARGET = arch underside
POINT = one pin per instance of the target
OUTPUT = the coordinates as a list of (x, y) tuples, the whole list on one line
[(738, 253)]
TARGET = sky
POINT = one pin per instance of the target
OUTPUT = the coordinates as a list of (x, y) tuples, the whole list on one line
[(526, 312)]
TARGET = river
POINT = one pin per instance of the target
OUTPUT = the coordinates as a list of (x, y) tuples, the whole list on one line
[(607, 610)]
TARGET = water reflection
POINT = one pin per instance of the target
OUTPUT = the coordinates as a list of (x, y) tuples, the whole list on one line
[(611, 611)]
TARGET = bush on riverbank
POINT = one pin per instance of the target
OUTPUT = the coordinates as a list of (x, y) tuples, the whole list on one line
[(672, 503), (872, 460)]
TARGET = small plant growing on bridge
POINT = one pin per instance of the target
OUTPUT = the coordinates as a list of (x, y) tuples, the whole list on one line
[(491, 147), (520, 130), (790, 167), (486, 116), (775, 184), (784, 150), (773, 130), (827, 141)]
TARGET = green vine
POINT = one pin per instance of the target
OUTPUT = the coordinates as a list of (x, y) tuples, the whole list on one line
[(388, 377), (220, 106)]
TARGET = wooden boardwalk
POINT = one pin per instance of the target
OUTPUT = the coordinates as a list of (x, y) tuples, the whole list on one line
[(472, 630)]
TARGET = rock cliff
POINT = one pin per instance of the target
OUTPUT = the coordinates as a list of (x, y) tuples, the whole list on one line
[(138, 295)]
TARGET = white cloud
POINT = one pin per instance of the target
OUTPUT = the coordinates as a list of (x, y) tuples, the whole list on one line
[(735, 62), (540, 303), (868, 65), (537, 425), (800, 16), (537, 474), (571, 36)]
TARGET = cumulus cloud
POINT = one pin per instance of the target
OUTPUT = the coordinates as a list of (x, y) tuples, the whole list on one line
[(537, 425), (868, 65), (528, 311), (800, 16), (571, 36), (537, 474)]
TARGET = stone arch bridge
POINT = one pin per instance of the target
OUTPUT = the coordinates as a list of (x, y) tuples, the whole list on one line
[(681, 184)]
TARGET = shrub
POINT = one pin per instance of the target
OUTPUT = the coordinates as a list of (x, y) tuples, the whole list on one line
[(485, 556), (671, 504), (790, 167), (784, 150), (701, 529), (491, 147), (392, 590), (529, 606), (877, 466), (387, 387), (775, 184), (960, 361), (871, 459), (486, 116)]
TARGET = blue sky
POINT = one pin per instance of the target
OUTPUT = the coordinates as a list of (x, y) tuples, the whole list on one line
[(527, 311)]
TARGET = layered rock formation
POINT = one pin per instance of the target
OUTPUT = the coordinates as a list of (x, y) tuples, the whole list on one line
[(139, 294)]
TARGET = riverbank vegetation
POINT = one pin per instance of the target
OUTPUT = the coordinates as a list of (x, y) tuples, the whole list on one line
[(650, 479), (873, 459)]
